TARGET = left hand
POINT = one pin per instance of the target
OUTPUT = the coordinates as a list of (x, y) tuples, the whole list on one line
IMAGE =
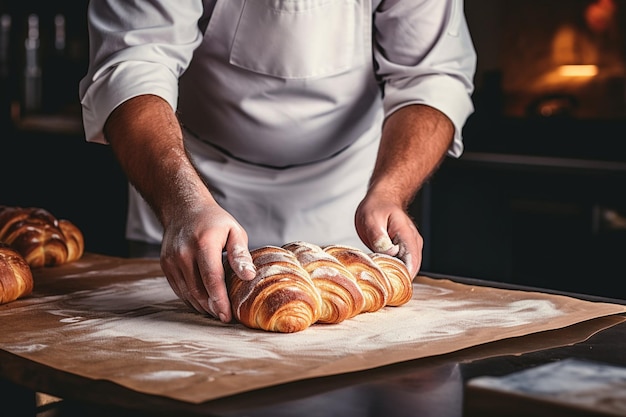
[(385, 227), (414, 142)]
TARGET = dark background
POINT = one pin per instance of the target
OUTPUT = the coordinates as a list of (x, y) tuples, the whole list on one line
[(538, 198), (45, 160)]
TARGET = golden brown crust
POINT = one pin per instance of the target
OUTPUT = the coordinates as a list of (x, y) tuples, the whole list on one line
[(300, 284), (342, 297), (16, 279), (39, 237), (74, 240), (282, 296), (399, 278), (8, 216), (373, 282)]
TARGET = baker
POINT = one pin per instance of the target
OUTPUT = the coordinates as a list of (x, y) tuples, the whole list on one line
[(242, 123)]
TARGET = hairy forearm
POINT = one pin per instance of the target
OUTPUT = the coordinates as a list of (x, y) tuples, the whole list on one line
[(146, 138), (414, 142)]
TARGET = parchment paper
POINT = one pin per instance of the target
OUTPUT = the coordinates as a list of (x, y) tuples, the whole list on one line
[(117, 319)]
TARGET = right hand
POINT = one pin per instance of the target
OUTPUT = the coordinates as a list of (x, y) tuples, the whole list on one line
[(146, 138), (148, 142), (386, 227), (191, 257)]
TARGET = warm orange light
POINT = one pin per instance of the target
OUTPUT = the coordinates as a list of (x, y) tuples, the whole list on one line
[(578, 70)]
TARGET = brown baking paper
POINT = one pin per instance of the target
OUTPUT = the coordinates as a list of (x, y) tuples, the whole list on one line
[(117, 319)]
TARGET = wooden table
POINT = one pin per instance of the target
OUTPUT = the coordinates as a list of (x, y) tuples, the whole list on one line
[(430, 386)]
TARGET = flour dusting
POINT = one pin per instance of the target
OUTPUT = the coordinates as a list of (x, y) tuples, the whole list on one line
[(148, 310), (160, 345), (164, 375)]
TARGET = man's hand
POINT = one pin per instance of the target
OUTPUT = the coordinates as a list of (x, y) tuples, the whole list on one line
[(147, 140), (385, 227), (191, 257), (413, 144)]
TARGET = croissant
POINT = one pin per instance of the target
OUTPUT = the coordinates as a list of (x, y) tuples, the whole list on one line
[(342, 297), (401, 283), (300, 284), (8, 216), (370, 277), (282, 296), (73, 239), (39, 237), (16, 279)]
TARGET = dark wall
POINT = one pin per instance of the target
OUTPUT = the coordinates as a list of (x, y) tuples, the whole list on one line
[(537, 221), (72, 179), (535, 199), (46, 161)]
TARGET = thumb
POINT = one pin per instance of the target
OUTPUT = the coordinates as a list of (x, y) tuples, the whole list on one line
[(241, 262), (383, 244)]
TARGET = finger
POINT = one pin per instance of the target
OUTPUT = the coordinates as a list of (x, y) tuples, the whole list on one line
[(195, 291), (383, 244), (172, 279), (240, 260), (410, 250), (211, 271), (176, 279)]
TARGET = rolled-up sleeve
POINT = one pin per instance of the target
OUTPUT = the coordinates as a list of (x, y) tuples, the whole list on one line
[(425, 55), (136, 48)]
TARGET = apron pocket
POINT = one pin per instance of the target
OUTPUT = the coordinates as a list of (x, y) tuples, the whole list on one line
[(298, 38)]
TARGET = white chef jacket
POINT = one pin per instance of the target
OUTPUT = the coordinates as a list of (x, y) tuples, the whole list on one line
[(281, 101)]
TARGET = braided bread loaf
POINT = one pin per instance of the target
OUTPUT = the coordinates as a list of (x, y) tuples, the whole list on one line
[(300, 284), (373, 281), (342, 297), (16, 279), (41, 238), (282, 296), (400, 288)]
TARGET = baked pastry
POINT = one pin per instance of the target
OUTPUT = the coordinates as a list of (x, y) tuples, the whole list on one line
[(39, 237), (342, 297), (370, 277), (400, 280), (282, 296), (74, 240), (301, 283), (16, 279)]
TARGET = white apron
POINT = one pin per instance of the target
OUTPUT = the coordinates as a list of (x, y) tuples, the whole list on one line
[(284, 129)]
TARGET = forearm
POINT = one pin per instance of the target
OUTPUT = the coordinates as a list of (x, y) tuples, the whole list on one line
[(146, 138), (414, 142)]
